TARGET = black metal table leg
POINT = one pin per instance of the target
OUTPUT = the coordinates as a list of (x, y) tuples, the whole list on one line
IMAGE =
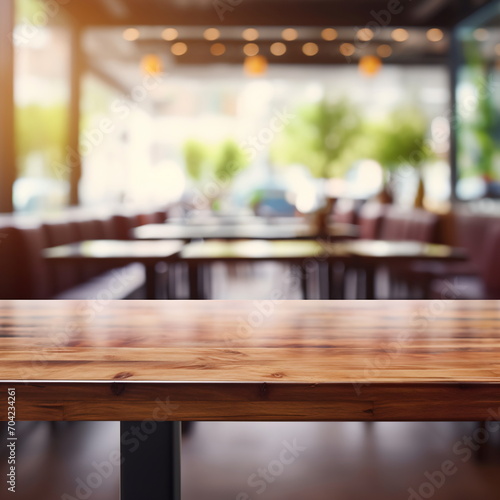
[(150, 454), (304, 283), (324, 278), (195, 281), (151, 282), (370, 282), (336, 280)]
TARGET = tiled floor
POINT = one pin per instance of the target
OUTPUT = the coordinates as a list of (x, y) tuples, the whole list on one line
[(242, 461)]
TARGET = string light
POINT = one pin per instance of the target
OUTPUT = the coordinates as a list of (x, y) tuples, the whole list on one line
[(255, 65), (289, 34), (310, 49), (250, 34), (400, 35), (370, 65), (179, 49), (278, 49), (384, 50), (251, 49), (211, 34), (365, 34), (347, 49), (434, 35), (169, 34), (329, 34), (218, 49), (151, 64), (131, 34)]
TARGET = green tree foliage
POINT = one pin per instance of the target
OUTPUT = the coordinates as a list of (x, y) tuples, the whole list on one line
[(27, 9), (320, 137), (477, 132), (222, 161), (400, 139), (230, 159), (43, 130), (195, 158)]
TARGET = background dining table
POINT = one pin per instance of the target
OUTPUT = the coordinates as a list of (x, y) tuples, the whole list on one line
[(257, 231), (118, 253), (152, 364), (319, 254)]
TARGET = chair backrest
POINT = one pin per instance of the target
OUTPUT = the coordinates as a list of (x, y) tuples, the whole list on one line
[(345, 210), (60, 233), (108, 229), (423, 226), (23, 271), (161, 216), (89, 230), (395, 224), (63, 275), (401, 224), (489, 265), (471, 233), (149, 218), (123, 225), (370, 220)]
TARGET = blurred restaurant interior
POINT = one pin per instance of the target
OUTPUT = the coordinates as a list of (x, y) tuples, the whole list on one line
[(249, 149), (226, 149), (253, 149)]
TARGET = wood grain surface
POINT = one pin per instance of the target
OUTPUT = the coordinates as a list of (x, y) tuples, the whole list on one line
[(251, 360)]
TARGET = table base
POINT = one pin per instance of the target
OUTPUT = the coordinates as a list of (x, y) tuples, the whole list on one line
[(151, 465)]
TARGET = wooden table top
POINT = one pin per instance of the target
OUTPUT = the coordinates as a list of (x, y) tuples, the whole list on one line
[(289, 250), (116, 251), (384, 249), (256, 231), (366, 250), (235, 220), (251, 360)]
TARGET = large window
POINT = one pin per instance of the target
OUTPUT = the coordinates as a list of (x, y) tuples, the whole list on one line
[(41, 107), (215, 135), (478, 105)]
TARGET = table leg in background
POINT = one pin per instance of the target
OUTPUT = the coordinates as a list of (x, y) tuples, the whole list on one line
[(194, 281), (336, 280), (370, 282), (151, 466), (151, 281), (324, 279), (304, 282)]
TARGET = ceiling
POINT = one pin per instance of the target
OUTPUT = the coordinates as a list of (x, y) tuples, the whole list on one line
[(441, 13), (106, 21)]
